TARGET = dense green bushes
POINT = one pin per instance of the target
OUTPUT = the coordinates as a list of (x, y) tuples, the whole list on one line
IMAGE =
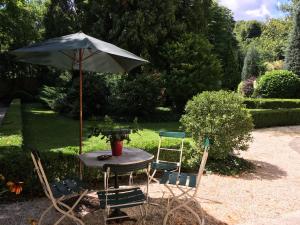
[(221, 116), (278, 84), (265, 103), (275, 117)]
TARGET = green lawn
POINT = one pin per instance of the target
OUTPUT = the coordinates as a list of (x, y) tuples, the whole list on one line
[(11, 128), (49, 131)]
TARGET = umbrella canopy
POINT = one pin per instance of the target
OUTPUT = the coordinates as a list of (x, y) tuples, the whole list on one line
[(79, 52), (64, 53)]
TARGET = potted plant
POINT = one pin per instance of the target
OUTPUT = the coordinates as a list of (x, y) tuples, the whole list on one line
[(114, 134)]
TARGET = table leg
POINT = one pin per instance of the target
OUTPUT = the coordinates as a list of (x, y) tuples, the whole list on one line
[(118, 212)]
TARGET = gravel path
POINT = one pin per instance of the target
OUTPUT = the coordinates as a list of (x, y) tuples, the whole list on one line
[(273, 190)]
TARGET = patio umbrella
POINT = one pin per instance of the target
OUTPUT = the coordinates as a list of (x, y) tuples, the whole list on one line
[(79, 52)]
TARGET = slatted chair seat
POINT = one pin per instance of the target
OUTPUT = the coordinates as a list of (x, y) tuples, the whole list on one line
[(121, 198), (66, 188), (164, 166), (181, 179)]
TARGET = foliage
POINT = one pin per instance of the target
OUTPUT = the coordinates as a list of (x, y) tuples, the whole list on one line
[(292, 62), (275, 117), (61, 18), (275, 65), (138, 96), (278, 84), (193, 68), (231, 166), (247, 30), (225, 44), (246, 87), (21, 23), (113, 132), (223, 117), (252, 64), (272, 103)]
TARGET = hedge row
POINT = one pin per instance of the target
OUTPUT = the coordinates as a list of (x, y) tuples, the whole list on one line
[(263, 103), (275, 117)]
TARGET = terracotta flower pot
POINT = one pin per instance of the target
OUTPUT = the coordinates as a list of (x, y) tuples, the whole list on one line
[(116, 147)]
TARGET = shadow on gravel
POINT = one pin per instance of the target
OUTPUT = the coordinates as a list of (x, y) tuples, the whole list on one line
[(265, 171)]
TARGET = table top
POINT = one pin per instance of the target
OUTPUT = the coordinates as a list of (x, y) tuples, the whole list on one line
[(129, 156)]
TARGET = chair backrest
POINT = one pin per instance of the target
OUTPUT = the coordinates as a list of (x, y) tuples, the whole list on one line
[(35, 155), (167, 135), (206, 145)]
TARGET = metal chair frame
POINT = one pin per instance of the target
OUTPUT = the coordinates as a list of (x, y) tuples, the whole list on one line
[(189, 194), (57, 203), (168, 134), (125, 169)]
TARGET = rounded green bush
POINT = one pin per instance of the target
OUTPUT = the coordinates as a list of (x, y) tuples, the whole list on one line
[(223, 117), (278, 84)]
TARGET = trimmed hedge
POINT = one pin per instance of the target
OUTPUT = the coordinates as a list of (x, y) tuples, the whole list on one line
[(271, 103), (275, 117)]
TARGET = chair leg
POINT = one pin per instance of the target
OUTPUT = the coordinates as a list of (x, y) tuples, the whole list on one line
[(69, 212), (43, 214)]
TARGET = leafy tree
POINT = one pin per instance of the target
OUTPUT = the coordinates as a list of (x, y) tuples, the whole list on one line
[(61, 18), (225, 45), (292, 60), (192, 68), (274, 38), (20, 23), (252, 64)]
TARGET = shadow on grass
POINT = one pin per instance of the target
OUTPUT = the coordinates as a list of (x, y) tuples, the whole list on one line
[(264, 171)]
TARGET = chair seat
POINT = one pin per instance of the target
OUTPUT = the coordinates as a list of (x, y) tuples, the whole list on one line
[(164, 166), (65, 188), (121, 198), (182, 179)]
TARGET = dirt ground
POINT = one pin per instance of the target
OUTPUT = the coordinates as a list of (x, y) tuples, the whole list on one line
[(272, 190)]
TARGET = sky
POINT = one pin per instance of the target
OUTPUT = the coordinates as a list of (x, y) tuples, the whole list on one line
[(254, 9)]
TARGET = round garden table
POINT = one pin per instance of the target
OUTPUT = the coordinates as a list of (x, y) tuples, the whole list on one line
[(129, 156)]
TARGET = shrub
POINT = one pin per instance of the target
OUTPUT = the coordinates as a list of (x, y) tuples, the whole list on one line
[(246, 88), (275, 117), (263, 103), (223, 117), (278, 84), (137, 96)]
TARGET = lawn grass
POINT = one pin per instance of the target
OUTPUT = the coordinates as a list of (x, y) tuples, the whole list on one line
[(48, 131), (11, 128)]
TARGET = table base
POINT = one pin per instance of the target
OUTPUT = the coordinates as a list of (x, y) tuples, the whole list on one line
[(119, 213)]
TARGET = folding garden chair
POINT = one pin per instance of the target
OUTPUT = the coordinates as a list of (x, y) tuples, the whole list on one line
[(112, 200), (57, 192), (164, 165), (188, 186)]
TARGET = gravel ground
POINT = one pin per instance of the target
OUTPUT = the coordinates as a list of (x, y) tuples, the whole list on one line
[(271, 191)]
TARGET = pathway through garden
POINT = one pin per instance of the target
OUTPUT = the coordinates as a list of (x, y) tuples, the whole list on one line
[(270, 192)]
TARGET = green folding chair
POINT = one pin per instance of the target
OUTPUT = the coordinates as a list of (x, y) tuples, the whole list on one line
[(165, 165), (112, 200), (58, 192), (188, 186)]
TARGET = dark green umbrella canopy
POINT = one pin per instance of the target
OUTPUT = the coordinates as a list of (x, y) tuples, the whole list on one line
[(63, 52)]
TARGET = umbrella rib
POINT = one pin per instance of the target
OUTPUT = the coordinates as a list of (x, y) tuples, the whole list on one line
[(94, 53), (72, 58)]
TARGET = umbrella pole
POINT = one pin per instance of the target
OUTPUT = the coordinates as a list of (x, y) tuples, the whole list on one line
[(80, 110)]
